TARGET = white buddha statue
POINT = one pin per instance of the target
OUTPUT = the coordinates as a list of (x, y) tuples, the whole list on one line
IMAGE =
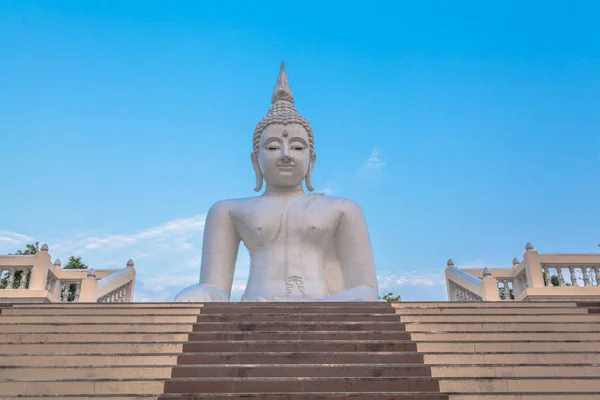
[(303, 246)]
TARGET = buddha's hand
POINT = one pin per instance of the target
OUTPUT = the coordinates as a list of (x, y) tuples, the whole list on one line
[(201, 294)]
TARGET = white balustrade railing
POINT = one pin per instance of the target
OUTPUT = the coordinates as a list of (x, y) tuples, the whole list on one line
[(571, 275), (14, 277), (506, 288), (70, 291), (119, 295), (460, 293)]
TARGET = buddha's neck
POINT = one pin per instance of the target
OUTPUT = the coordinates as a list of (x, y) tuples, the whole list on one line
[(291, 191)]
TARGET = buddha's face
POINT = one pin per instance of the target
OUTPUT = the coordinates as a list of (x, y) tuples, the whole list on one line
[(284, 155)]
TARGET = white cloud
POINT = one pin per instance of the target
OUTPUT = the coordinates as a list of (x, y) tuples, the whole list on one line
[(11, 241), (372, 168)]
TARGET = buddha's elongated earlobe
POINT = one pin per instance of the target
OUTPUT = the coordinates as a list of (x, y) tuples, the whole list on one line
[(308, 177), (257, 172)]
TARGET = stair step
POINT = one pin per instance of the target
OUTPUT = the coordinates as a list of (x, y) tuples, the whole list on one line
[(305, 357), (312, 396), (301, 384), (300, 335), (314, 309), (490, 311), (85, 359), (90, 348), (98, 319), (92, 337), (101, 311), (306, 370), (298, 326), (507, 346), (503, 336), (555, 384), (484, 305), (299, 345), (299, 317), (514, 358), (123, 326), (56, 372), (78, 387), (512, 318), (503, 327)]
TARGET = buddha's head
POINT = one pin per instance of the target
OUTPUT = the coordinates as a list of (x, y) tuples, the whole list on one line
[(283, 142)]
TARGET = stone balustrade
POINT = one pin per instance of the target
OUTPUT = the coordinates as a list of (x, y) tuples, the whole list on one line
[(535, 277), (571, 275), (36, 279), (119, 295), (15, 277)]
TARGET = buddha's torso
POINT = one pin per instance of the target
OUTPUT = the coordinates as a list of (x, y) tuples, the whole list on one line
[(287, 239)]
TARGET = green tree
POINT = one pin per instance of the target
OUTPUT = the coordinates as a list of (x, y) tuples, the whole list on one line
[(390, 297), (75, 263)]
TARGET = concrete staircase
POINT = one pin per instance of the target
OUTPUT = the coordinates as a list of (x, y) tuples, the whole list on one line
[(418, 351)]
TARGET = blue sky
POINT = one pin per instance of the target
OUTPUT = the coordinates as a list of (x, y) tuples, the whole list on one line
[(463, 129)]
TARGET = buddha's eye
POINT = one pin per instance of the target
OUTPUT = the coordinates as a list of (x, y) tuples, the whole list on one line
[(272, 146), (298, 147)]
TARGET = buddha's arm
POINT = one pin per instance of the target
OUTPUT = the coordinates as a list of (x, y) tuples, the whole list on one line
[(219, 249), (353, 248)]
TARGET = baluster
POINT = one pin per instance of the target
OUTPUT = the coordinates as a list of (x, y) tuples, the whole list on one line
[(573, 276), (64, 296), (597, 275), (547, 277), (23, 283), (49, 281), (77, 291), (586, 276), (11, 278), (561, 278)]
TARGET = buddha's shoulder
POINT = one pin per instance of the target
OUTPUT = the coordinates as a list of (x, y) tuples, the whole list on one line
[(232, 204), (339, 203)]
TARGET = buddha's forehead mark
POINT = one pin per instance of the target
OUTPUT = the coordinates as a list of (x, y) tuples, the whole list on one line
[(285, 133)]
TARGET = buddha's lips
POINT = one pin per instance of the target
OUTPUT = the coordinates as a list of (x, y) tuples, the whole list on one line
[(286, 165)]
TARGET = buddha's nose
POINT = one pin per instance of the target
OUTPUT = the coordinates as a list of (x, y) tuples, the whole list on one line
[(285, 152)]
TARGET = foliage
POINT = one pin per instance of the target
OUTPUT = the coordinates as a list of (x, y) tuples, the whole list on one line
[(390, 297), (30, 249), (75, 263), (511, 293)]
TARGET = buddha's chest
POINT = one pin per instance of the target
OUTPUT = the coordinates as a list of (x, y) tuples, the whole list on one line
[(302, 221)]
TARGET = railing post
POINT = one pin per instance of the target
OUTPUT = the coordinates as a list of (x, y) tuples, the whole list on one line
[(11, 278), (573, 276), (88, 288), (561, 278), (39, 271), (547, 277), (77, 292), (533, 267), (24, 276), (586, 276), (64, 296)]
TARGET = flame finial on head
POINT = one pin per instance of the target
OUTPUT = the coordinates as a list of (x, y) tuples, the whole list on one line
[(282, 112), (282, 90)]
